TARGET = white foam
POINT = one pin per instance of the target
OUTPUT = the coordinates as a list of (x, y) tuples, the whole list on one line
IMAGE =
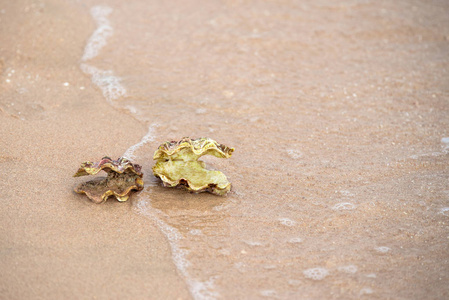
[(104, 30), (445, 141), (444, 150), (350, 269), (316, 273), (344, 206), (366, 291), (149, 137), (268, 293), (295, 154), (444, 211), (287, 222), (201, 111), (106, 81), (295, 240), (382, 249), (253, 243), (346, 193), (196, 232)]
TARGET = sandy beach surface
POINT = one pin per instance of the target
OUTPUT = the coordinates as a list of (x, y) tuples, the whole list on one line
[(338, 111)]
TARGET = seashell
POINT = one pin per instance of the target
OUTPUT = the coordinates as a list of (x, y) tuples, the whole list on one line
[(177, 165), (123, 177)]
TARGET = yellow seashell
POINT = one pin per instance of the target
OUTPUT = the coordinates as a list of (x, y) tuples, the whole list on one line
[(177, 165)]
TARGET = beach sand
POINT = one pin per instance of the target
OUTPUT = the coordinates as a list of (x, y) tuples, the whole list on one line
[(338, 113)]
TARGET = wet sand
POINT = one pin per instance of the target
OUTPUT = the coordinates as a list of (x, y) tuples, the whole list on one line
[(338, 113)]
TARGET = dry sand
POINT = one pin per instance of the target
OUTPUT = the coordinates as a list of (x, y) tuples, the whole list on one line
[(338, 112)]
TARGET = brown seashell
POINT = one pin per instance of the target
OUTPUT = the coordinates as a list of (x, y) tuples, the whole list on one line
[(122, 178)]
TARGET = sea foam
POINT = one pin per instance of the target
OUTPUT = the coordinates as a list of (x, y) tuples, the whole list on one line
[(287, 222), (343, 206), (444, 150), (106, 81), (149, 137), (104, 30), (350, 269), (382, 249), (316, 273)]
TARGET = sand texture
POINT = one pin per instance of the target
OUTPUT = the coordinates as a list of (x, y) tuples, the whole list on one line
[(338, 113)]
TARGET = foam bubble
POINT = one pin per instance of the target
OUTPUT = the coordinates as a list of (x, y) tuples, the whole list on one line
[(382, 249), (351, 269), (196, 232), (268, 293), (253, 243), (287, 222), (346, 193), (444, 211), (295, 240), (343, 206), (366, 291), (149, 137), (201, 111), (104, 30), (316, 273), (445, 141), (295, 154), (254, 119), (444, 151)]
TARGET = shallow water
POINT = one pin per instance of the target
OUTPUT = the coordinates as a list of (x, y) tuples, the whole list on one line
[(338, 113)]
